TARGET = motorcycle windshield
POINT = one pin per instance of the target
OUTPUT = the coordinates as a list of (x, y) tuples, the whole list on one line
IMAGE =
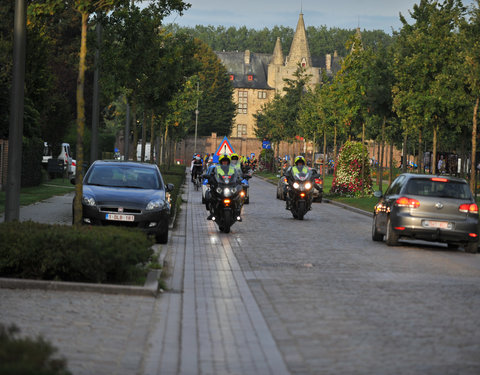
[(303, 176), (224, 179)]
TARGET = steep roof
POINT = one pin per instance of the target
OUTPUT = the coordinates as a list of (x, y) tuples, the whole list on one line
[(299, 49), (243, 64)]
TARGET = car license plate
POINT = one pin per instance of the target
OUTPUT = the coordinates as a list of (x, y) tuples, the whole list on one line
[(437, 224), (119, 217)]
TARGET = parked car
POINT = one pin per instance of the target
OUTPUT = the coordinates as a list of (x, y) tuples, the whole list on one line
[(65, 156), (129, 194), (426, 207)]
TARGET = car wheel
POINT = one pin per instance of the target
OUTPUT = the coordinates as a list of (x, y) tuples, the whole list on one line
[(471, 247), (376, 236), (391, 238), (162, 237)]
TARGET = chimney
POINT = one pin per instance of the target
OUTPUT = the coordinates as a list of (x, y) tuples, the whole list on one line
[(247, 57), (328, 62)]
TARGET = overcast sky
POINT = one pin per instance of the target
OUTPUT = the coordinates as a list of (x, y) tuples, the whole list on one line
[(257, 14)]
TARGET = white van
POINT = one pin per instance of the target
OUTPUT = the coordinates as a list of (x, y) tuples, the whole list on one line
[(65, 155)]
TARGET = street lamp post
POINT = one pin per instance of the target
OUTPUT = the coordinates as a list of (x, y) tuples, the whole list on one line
[(196, 123)]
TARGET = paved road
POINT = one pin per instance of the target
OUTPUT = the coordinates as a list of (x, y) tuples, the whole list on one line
[(274, 296), (338, 303)]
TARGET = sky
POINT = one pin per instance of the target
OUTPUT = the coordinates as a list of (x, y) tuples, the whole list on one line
[(257, 14)]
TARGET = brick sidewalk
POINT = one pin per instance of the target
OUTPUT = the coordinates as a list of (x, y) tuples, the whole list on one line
[(209, 307)]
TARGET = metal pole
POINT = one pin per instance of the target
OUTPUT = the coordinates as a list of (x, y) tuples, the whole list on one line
[(14, 173), (95, 106), (196, 124)]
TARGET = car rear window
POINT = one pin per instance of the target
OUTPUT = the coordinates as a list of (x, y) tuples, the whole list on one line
[(123, 176), (438, 188)]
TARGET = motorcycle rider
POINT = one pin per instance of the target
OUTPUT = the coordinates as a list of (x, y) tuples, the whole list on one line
[(196, 167), (223, 168), (299, 167)]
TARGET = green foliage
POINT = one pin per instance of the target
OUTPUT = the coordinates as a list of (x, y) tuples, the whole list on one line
[(72, 253), (348, 177), (26, 356), (322, 40), (216, 106)]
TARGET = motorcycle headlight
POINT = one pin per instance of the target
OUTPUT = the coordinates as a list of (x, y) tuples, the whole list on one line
[(308, 185), (296, 185), (227, 192), (154, 205), (88, 201)]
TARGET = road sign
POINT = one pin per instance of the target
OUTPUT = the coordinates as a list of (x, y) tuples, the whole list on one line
[(225, 148), (266, 145)]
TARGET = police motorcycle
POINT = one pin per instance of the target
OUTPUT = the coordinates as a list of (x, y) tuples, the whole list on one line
[(300, 191), (225, 199), (247, 176)]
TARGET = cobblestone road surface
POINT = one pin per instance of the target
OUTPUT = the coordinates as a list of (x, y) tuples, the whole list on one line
[(276, 295)]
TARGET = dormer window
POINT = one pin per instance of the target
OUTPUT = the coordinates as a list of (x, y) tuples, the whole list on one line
[(232, 77), (250, 77), (304, 62)]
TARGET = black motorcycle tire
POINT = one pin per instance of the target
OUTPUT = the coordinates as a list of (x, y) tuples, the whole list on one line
[(227, 221), (300, 210)]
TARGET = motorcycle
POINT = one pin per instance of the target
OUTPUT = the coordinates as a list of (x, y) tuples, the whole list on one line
[(225, 202), (300, 194), (247, 176)]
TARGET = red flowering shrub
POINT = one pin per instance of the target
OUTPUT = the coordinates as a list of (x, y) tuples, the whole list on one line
[(347, 175)]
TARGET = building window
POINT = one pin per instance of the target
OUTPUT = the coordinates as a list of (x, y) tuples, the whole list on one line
[(262, 95), (241, 130), (242, 101), (232, 77), (250, 77)]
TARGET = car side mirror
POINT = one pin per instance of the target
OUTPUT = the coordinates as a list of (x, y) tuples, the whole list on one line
[(378, 194), (169, 187)]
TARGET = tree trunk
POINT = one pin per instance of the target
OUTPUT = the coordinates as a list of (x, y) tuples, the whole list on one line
[(434, 156), (404, 153), (363, 158), (380, 184), (325, 159), (133, 151), (144, 135), (335, 144), (77, 205), (419, 160), (473, 169), (390, 175), (152, 137)]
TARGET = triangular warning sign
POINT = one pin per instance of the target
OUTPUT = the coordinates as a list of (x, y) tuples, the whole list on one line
[(225, 148)]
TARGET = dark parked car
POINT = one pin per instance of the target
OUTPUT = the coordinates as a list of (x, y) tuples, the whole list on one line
[(426, 207), (128, 194)]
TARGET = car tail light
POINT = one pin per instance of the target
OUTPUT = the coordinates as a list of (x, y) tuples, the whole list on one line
[(439, 179), (473, 235), (74, 164), (400, 228), (407, 202), (468, 208)]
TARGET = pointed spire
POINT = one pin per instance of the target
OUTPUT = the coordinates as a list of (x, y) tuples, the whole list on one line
[(299, 51), (358, 38), (277, 58)]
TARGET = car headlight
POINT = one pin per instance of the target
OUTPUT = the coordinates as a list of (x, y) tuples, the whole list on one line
[(88, 201), (154, 205), (227, 192), (308, 186), (296, 185)]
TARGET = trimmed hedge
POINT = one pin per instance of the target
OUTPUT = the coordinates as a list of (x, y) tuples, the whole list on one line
[(26, 356), (176, 176), (69, 253)]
